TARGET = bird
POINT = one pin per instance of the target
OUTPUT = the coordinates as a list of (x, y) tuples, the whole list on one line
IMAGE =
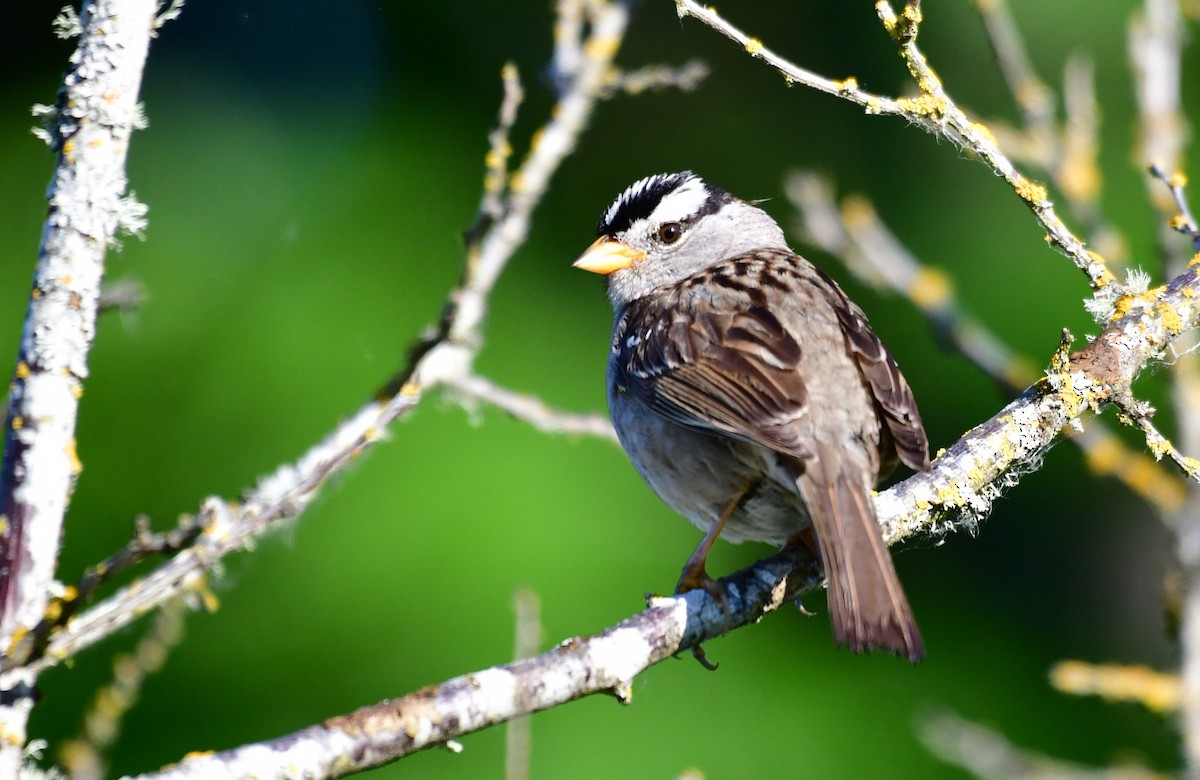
[(751, 394)]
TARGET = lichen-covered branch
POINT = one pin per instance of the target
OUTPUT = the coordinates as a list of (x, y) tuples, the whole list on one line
[(89, 128), (447, 354), (854, 233), (606, 662), (933, 111), (972, 472)]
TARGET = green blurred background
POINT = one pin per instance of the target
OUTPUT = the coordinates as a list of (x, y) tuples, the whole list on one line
[(309, 173)]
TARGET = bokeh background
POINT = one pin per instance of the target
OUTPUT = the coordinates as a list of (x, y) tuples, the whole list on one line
[(309, 172)]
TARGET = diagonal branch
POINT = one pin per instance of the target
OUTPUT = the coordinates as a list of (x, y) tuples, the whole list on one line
[(934, 111)]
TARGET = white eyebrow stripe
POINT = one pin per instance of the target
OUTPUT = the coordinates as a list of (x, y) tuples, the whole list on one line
[(683, 202)]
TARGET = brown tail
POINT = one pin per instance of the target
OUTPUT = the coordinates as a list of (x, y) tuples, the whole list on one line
[(867, 606)]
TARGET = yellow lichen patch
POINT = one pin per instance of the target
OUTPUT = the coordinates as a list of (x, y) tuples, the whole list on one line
[(76, 389), (1170, 317), (979, 128), (3, 525), (197, 754), (18, 422), (1029, 190), (929, 288), (912, 14), (208, 599), (1179, 179), (857, 212), (848, 84), (1177, 222), (1105, 277), (410, 389), (602, 48), (949, 496), (18, 636), (1152, 689), (22, 369), (754, 47), (495, 157), (924, 104), (76, 464), (35, 293), (1124, 305)]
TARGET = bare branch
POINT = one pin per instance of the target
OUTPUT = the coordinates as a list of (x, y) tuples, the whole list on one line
[(603, 663), (1154, 690), (933, 111), (531, 409), (528, 637), (985, 754), (84, 756), (652, 78)]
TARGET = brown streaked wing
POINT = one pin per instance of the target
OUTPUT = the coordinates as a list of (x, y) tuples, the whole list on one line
[(733, 371), (888, 385)]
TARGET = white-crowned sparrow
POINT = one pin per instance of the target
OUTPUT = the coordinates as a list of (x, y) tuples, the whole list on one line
[(752, 395)]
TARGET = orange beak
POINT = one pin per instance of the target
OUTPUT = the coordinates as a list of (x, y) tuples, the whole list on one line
[(606, 255)]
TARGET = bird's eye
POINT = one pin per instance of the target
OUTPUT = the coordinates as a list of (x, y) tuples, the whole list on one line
[(670, 232)]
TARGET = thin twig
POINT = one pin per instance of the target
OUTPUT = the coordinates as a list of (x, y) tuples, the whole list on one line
[(933, 111), (983, 753), (1141, 415), (84, 756), (1142, 685), (1032, 96), (653, 78), (531, 409), (1182, 222), (527, 639)]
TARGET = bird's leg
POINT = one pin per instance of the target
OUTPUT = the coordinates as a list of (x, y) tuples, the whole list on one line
[(695, 574)]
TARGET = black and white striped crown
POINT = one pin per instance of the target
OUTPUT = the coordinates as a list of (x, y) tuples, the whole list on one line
[(663, 197)]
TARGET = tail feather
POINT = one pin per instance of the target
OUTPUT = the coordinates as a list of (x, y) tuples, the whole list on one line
[(867, 605)]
